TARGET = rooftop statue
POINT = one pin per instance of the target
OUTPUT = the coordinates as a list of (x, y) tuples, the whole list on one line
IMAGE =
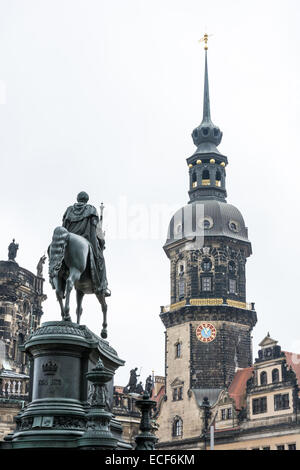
[(12, 250), (132, 384), (76, 258), (149, 385), (139, 388), (39, 267)]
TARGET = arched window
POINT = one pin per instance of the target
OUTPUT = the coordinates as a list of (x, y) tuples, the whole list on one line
[(218, 178), (178, 349), (177, 427), (263, 378), (275, 375), (194, 180), (231, 266), (205, 178), (181, 285), (206, 264)]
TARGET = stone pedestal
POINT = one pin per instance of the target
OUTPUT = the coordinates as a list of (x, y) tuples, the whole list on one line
[(61, 356)]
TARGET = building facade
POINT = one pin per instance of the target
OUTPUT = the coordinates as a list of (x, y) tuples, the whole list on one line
[(21, 298), (208, 348)]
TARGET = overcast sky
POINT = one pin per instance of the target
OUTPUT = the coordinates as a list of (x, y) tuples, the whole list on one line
[(102, 96)]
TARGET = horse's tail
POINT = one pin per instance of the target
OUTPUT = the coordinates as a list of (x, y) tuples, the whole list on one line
[(57, 251)]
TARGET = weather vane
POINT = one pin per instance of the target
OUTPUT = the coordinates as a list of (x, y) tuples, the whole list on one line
[(205, 40)]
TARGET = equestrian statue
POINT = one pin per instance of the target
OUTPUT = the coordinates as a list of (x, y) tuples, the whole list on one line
[(76, 258)]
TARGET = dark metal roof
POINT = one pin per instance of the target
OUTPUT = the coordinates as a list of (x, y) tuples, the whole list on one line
[(223, 218)]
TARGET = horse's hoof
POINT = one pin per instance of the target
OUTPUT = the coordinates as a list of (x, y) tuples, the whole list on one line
[(104, 334), (68, 318)]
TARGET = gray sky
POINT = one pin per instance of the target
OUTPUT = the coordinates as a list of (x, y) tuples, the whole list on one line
[(102, 96)]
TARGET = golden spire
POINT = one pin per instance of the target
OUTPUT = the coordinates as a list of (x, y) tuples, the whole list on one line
[(205, 40)]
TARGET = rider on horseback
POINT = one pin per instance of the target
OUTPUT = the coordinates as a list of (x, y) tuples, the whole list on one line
[(82, 219)]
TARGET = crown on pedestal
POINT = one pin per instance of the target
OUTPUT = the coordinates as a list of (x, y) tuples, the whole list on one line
[(49, 368)]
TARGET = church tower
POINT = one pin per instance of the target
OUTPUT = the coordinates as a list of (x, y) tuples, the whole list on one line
[(208, 322)]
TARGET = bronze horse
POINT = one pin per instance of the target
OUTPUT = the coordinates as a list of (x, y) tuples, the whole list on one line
[(69, 266)]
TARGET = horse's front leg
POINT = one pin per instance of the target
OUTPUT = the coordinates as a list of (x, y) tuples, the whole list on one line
[(73, 277), (79, 297), (103, 303)]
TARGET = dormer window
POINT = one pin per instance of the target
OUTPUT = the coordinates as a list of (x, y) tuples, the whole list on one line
[(259, 405), (275, 376), (263, 378), (281, 401)]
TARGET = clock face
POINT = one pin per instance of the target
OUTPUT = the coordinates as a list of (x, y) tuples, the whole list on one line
[(206, 332)]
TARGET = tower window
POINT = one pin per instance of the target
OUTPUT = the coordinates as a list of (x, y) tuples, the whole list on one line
[(263, 378), (231, 267), (178, 350), (206, 264), (206, 284), (275, 375), (177, 427), (181, 269), (194, 180), (232, 286), (177, 393), (218, 179), (181, 286), (205, 178)]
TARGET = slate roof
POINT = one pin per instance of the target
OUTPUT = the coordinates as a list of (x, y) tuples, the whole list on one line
[(221, 214)]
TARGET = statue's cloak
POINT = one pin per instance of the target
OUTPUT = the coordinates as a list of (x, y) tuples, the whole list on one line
[(79, 219), (82, 219)]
